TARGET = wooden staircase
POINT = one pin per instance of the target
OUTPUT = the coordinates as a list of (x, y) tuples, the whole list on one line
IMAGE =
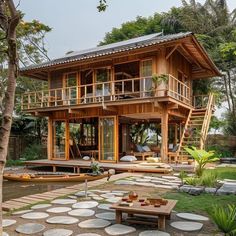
[(196, 128)]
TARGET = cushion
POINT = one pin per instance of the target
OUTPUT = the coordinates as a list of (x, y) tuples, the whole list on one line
[(152, 160), (146, 149), (86, 158), (139, 148), (128, 158), (175, 148)]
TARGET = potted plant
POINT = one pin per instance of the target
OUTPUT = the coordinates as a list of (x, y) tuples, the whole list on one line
[(159, 82)]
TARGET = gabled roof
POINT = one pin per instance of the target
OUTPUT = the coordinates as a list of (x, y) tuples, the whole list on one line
[(123, 46)]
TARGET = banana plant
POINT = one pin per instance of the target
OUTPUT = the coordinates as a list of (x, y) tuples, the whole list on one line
[(201, 157)]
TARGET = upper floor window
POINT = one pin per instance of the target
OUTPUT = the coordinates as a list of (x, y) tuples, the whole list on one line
[(71, 80), (146, 68)]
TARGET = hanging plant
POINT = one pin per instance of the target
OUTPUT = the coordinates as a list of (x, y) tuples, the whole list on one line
[(158, 79)]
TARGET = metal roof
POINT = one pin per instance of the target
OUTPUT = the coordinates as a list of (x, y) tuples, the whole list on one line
[(122, 46)]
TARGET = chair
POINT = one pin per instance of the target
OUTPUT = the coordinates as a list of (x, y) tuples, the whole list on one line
[(174, 154)]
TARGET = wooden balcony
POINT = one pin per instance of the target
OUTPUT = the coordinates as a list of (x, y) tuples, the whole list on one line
[(112, 91)]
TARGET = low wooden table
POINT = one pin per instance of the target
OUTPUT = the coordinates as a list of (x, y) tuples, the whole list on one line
[(162, 212)]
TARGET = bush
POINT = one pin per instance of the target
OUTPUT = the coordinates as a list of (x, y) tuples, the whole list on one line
[(209, 179), (195, 181), (11, 162), (225, 218), (221, 151), (33, 152)]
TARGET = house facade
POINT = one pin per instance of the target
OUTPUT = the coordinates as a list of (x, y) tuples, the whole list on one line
[(94, 96)]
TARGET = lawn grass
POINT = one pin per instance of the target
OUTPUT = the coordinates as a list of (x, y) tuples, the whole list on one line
[(198, 204), (223, 172)]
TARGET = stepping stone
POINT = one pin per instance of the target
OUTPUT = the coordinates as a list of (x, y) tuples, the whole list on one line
[(106, 216), (85, 204), (93, 195), (94, 224), (21, 212), (119, 194), (59, 209), (88, 234), (153, 233), (64, 201), (189, 216), (113, 200), (120, 191), (107, 195), (103, 191), (7, 222), (81, 212), (170, 177), (143, 180), (40, 206), (58, 232), (72, 197), (5, 234), (105, 207), (30, 228), (119, 229), (35, 215), (98, 198), (64, 220), (125, 182), (186, 225), (82, 193)]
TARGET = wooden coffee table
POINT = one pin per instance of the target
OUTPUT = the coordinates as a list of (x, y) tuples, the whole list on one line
[(162, 212)]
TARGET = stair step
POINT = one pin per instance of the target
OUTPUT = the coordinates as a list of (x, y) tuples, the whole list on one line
[(198, 113)]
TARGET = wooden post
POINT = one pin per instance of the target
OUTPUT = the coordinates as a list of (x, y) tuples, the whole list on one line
[(164, 134), (50, 139), (176, 134)]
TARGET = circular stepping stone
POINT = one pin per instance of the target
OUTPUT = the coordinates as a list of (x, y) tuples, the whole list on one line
[(107, 195), (59, 209), (81, 212), (58, 232), (64, 220), (85, 204), (190, 216), (30, 228), (119, 229), (82, 193), (94, 224), (88, 234), (21, 212), (105, 207), (153, 233), (7, 222), (187, 225), (35, 215), (64, 201), (113, 200), (5, 234), (40, 206), (106, 216)]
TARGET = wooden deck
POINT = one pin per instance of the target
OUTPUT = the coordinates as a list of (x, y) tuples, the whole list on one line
[(77, 165)]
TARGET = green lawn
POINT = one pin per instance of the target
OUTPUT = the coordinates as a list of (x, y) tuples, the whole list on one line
[(224, 172), (198, 204)]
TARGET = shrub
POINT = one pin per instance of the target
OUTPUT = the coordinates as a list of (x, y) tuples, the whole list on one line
[(225, 218), (209, 179), (202, 157), (182, 176), (33, 152), (195, 181)]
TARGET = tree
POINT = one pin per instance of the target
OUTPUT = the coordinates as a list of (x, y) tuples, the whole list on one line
[(9, 20)]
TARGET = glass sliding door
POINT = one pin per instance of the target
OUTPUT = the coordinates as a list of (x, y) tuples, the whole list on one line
[(146, 75), (59, 140), (108, 139)]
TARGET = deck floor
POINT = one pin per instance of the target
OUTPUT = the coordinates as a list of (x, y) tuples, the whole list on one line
[(80, 164)]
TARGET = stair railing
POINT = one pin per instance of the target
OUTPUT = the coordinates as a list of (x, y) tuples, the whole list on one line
[(206, 121)]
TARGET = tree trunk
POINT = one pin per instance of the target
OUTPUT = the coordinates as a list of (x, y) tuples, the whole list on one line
[(231, 93), (9, 20), (227, 92)]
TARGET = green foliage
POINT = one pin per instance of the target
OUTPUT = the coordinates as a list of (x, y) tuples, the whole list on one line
[(202, 157), (220, 151), (182, 175), (158, 79), (193, 181), (209, 179), (11, 162), (33, 152), (223, 172), (225, 218), (96, 170), (216, 123), (102, 5)]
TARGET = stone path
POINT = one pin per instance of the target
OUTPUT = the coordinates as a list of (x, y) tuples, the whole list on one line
[(55, 217)]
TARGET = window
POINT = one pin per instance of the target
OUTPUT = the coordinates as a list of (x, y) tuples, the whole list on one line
[(70, 96), (146, 73)]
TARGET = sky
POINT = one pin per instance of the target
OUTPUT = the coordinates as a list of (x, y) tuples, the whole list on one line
[(76, 24)]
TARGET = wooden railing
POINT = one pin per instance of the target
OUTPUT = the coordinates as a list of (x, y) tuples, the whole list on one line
[(134, 88)]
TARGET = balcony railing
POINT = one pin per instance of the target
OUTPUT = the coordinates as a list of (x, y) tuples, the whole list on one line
[(135, 88)]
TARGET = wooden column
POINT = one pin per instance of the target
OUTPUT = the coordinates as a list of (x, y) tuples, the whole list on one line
[(176, 134), (164, 134), (50, 139)]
